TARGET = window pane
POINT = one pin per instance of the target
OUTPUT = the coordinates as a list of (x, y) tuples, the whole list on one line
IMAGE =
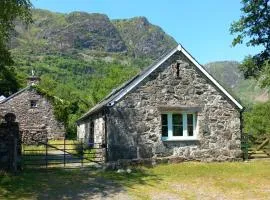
[(164, 131), (190, 119), (190, 124), (190, 130), (164, 120), (177, 130), (177, 119)]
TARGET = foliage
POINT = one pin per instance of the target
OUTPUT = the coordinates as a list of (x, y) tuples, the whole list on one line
[(249, 67), (257, 119), (254, 25), (9, 12), (265, 75), (8, 82)]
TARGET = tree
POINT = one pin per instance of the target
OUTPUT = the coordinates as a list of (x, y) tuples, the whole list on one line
[(257, 120), (253, 26), (10, 10)]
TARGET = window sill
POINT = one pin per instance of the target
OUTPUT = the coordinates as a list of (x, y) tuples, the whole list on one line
[(179, 139)]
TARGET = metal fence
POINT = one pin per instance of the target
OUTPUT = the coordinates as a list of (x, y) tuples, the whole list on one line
[(62, 154)]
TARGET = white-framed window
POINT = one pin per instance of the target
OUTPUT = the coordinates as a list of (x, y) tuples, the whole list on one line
[(179, 126)]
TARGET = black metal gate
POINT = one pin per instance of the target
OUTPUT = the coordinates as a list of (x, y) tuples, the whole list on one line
[(64, 154)]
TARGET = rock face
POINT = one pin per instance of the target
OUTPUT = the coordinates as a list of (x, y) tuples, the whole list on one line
[(142, 38), (227, 72), (134, 123), (90, 31), (35, 116), (53, 32)]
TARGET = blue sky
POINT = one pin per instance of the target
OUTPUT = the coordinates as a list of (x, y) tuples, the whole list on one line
[(202, 27)]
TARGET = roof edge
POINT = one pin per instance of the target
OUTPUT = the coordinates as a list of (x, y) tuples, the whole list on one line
[(146, 74), (215, 82), (15, 94)]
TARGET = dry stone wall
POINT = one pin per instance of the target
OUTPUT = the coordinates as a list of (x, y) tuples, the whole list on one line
[(134, 123), (35, 122)]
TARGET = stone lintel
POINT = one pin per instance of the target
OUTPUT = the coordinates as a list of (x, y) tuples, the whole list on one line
[(179, 108)]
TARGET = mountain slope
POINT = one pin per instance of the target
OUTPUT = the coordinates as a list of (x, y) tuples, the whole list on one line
[(142, 38), (228, 74), (54, 32)]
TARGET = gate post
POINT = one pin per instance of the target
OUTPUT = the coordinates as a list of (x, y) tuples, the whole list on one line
[(245, 146), (10, 144)]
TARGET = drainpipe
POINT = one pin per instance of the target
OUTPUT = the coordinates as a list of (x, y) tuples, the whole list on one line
[(245, 150), (105, 112)]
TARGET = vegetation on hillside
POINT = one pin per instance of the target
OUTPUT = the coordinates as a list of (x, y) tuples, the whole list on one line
[(230, 76)]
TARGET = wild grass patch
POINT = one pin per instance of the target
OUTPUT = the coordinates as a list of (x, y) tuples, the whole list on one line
[(189, 180)]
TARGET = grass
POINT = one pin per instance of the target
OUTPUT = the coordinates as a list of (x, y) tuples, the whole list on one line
[(189, 180), (70, 145), (204, 181)]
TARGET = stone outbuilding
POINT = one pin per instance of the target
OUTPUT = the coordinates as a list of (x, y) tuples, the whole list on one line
[(34, 113), (172, 109)]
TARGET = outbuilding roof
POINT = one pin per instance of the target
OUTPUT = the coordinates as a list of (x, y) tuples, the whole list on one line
[(15, 94), (118, 93)]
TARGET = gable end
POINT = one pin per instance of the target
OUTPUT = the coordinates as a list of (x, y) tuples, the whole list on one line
[(179, 48)]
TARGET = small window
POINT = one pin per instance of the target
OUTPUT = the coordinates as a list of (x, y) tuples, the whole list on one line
[(179, 126), (177, 70), (33, 103)]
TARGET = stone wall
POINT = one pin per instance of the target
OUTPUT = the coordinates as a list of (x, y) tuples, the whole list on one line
[(134, 123), (36, 121), (83, 132), (10, 145), (83, 129)]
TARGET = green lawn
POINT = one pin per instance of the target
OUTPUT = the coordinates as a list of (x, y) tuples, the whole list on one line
[(189, 180)]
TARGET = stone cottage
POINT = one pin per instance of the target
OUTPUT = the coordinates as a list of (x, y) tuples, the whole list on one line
[(172, 109), (34, 112)]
